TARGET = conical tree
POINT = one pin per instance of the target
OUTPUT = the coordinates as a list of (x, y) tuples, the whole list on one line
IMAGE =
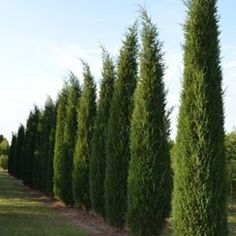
[(30, 140), (86, 118), (149, 180), (48, 118), (98, 157), (19, 151), (70, 132), (51, 146), (117, 149), (38, 152), (199, 203), (12, 154), (59, 141)]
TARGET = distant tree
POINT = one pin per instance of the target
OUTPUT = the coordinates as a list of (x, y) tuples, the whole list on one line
[(97, 162), (59, 141), (70, 134), (19, 152), (149, 180), (52, 110), (46, 124), (29, 145), (86, 118), (117, 148), (38, 153), (199, 199), (12, 154), (4, 145), (230, 145)]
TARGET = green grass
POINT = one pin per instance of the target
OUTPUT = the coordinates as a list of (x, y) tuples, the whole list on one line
[(21, 214), (24, 215)]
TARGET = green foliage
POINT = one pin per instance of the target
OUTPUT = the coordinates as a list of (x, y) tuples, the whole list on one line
[(70, 132), (4, 146), (86, 118), (59, 141), (230, 145), (98, 156), (117, 149), (4, 161), (19, 153), (46, 158), (29, 145), (12, 153), (231, 168), (149, 179), (38, 153), (199, 202), (51, 144)]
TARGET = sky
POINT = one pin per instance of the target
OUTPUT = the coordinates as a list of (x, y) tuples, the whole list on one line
[(42, 40)]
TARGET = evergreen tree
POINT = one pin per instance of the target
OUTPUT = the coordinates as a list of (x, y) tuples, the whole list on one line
[(59, 141), (12, 153), (199, 203), (48, 115), (47, 118), (70, 132), (86, 117), (19, 152), (149, 178), (98, 157), (38, 153), (30, 140), (117, 149), (51, 145)]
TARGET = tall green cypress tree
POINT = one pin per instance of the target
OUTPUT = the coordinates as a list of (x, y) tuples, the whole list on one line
[(70, 132), (199, 203), (117, 149), (59, 141), (12, 154), (51, 145), (86, 117), (149, 180), (48, 115), (98, 157), (38, 152), (19, 151), (30, 140)]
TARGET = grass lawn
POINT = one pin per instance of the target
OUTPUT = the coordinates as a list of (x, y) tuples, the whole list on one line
[(23, 215)]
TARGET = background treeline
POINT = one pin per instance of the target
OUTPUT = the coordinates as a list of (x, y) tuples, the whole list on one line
[(111, 154), (4, 149)]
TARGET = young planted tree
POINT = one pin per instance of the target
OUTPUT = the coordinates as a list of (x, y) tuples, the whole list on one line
[(117, 148), (149, 179), (59, 141), (86, 118), (199, 203), (70, 132), (97, 162)]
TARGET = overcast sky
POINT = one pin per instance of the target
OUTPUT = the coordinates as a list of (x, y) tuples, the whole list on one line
[(42, 40)]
